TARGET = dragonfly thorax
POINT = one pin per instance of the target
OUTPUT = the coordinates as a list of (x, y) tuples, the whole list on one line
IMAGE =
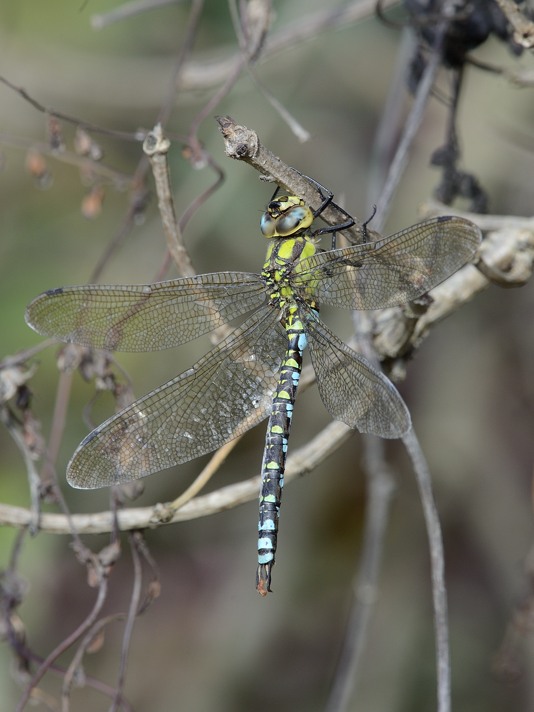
[(285, 216), (283, 260)]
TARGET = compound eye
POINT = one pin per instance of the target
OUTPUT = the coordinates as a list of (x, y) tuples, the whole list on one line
[(294, 219), (267, 225)]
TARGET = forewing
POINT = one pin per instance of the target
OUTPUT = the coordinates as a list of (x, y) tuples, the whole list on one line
[(390, 271), (144, 317), (224, 394), (352, 390)]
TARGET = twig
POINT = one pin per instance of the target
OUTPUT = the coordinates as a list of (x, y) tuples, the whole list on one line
[(437, 565), (300, 462), (156, 147), (251, 30), (65, 644), (215, 100), (205, 476), (12, 589), (124, 135), (206, 74), (413, 122), (130, 621), (391, 117), (73, 669), (154, 585), (203, 197), (191, 30), (523, 28), (84, 163), (243, 144), (485, 222), (380, 489), (124, 229), (59, 417), (127, 10), (506, 257), (14, 429)]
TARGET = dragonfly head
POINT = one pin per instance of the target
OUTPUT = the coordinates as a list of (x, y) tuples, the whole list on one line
[(286, 216)]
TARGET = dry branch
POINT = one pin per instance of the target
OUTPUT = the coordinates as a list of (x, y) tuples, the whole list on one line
[(301, 461)]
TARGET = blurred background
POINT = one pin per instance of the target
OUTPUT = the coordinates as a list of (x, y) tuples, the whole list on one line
[(209, 642)]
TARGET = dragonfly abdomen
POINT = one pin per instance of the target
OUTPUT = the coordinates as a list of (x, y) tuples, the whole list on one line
[(274, 456)]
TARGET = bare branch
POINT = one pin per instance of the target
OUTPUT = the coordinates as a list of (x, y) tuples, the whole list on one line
[(400, 160), (127, 10), (133, 610), (156, 147), (523, 27), (65, 644), (210, 73), (380, 489), (506, 257), (437, 567), (124, 135), (301, 461), (243, 144)]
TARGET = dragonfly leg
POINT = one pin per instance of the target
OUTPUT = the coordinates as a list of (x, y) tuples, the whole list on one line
[(327, 199), (364, 225)]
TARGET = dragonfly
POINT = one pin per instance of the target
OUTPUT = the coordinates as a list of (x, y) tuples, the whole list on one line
[(253, 373)]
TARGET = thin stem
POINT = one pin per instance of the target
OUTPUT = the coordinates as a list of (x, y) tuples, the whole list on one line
[(301, 461), (243, 144), (59, 417), (400, 160), (127, 10), (193, 20), (437, 563), (130, 621), (156, 147), (380, 488), (64, 645)]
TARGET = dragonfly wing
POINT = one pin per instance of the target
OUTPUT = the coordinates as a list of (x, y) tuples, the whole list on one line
[(352, 390), (224, 394), (390, 271), (145, 317)]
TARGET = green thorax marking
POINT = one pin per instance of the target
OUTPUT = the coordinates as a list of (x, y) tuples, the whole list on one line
[(286, 221)]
